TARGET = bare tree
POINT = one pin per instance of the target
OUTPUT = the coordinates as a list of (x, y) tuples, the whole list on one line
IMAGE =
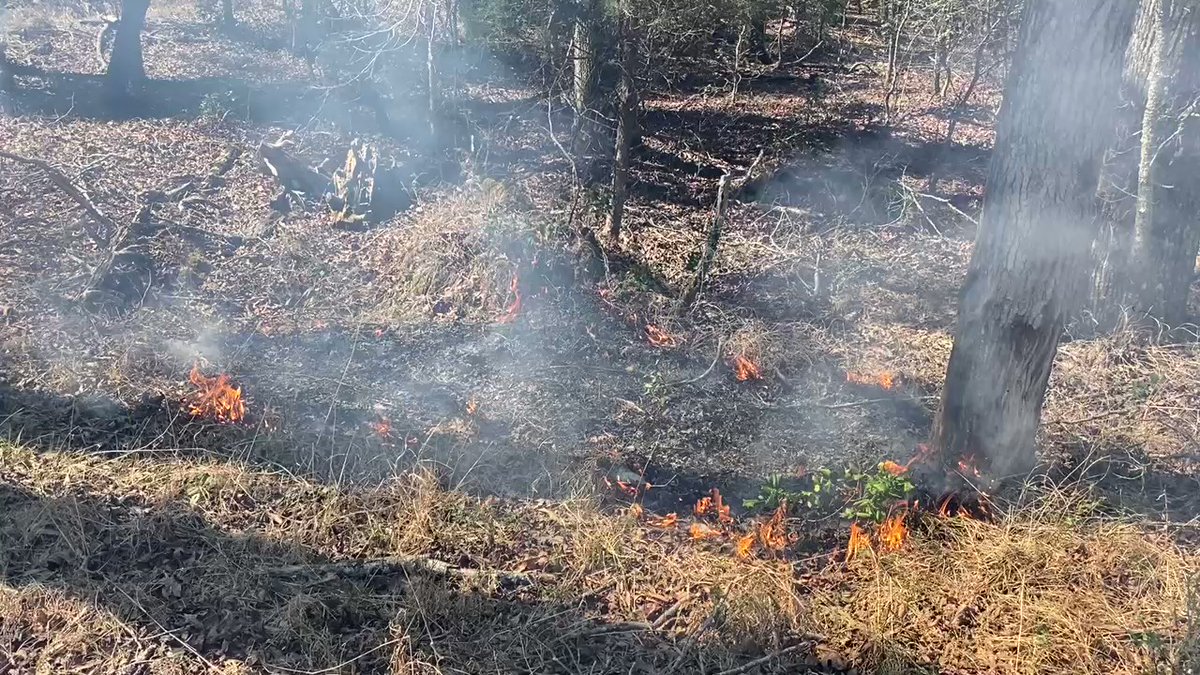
[(1030, 265), (627, 102)]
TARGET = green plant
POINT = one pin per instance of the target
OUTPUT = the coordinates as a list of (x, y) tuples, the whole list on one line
[(218, 105), (878, 493), (773, 494)]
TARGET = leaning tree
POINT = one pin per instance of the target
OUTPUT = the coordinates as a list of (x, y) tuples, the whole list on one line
[(1030, 265)]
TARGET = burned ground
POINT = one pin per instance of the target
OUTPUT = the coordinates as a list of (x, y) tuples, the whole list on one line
[(468, 338)]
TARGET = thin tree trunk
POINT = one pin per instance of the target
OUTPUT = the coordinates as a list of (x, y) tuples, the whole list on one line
[(1030, 264), (626, 124), (583, 58), (692, 292), (227, 17), (433, 81), (125, 66), (8, 81)]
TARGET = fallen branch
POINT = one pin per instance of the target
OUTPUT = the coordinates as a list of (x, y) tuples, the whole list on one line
[(60, 179), (398, 565), (764, 659)]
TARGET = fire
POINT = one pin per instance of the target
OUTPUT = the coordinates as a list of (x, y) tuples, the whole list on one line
[(514, 308), (217, 398), (967, 466), (629, 489), (772, 535), (701, 531), (715, 505), (859, 542), (665, 522), (745, 545), (383, 427), (660, 338), (886, 380), (893, 532), (636, 511), (472, 406), (893, 468), (744, 369)]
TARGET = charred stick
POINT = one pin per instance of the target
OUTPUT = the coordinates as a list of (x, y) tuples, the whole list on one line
[(60, 179), (764, 659)]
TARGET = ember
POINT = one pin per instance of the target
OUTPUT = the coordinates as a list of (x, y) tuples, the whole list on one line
[(666, 522), (660, 338), (383, 427), (744, 369), (514, 308), (859, 542), (217, 398)]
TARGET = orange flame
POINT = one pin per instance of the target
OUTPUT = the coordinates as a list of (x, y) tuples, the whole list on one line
[(627, 488), (514, 308), (887, 380), (217, 398), (383, 427), (893, 532), (772, 535), (859, 542), (745, 545), (665, 522), (659, 337), (701, 531), (893, 468), (744, 369), (715, 505), (636, 511), (472, 406), (967, 467)]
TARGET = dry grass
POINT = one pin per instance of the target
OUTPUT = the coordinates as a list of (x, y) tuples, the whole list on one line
[(459, 254), (1047, 589)]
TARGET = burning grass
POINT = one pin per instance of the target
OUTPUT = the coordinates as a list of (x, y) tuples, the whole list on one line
[(1044, 590)]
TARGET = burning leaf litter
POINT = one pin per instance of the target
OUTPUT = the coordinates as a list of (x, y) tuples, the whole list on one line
[(744, 369), (661, 338), (514, 308), (885, 380), (217, 399)]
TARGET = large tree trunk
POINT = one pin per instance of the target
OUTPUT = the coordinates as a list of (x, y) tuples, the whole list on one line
[(125, 66), (1030, 264)]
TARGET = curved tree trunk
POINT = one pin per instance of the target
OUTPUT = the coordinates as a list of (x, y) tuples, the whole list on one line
[(125, 66), (1030, 265), (626, 126)]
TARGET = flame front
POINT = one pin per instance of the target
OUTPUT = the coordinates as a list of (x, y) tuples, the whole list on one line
[(744, 369), (659, 337), (217, 398), (714, 505), (859, 542), (893, 532)]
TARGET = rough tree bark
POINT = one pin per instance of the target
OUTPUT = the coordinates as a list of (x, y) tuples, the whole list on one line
[(1030, 265), (125, 66), (626, 125), (583, 59)]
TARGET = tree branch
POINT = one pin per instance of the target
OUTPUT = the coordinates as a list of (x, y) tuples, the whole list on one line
[(60, 179)]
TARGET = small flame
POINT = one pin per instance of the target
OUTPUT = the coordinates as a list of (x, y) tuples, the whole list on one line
[(217, 398), (772, 535), (967, 466), (744, 369), (893, 468), (383, 427), (745, 545), (893, 532), (665, 522), (859, 542), (886, 380), (660, 338), (701, 531), (636, 511), (629, 489), (514, 308), (714, 505), (472, 406)]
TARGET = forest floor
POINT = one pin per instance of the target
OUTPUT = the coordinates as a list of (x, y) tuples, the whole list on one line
[(466, 450)]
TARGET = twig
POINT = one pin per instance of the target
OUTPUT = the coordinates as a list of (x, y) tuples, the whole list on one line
[(395, 564), (764, 659), (701, 376), (339, 666), (668, 613), (60, 179), (691, 639)]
